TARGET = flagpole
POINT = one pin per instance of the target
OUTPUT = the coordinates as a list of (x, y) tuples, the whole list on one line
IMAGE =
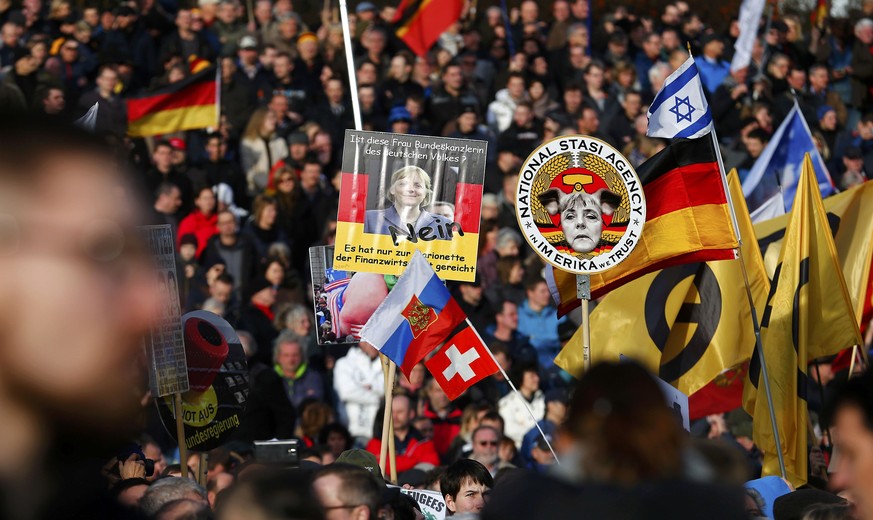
[(386, 417), (769, 394), (523, 400), (350, 64)]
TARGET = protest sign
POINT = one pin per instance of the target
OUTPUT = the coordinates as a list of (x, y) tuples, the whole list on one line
[(219, 382), (432, 503), (168, 372), (580, 204), (344, 301), (403, 192)]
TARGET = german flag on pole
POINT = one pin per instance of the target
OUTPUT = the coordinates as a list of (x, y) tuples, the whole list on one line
[(186, 105), (687, 219), (420, 23)]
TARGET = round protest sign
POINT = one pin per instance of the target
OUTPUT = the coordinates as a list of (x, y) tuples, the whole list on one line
[(580, 204), (219, 385)]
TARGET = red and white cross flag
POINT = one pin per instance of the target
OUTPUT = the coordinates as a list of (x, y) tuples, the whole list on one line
[(461, 362)]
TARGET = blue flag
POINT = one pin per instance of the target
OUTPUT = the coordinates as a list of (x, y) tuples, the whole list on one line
[(770, 186)]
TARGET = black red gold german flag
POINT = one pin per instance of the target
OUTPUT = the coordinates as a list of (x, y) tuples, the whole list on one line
[(687, 219), (186, 105)]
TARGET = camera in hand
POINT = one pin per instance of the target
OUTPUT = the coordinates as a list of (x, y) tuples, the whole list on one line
[(277, 453), (135, 449)]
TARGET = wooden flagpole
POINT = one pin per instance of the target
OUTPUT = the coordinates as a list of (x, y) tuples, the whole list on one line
[(180, 434), (386, 417), (389, 388)]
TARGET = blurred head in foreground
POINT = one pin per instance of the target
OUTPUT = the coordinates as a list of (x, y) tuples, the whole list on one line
[(76, 295), (623, 430)]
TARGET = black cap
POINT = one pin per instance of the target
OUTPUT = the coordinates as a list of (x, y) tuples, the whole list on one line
[(792, 506), (298, 138), (469, 109), (709, 38), (188, 238)]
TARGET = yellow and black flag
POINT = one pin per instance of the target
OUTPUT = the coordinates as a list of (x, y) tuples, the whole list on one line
[(687, 323), (808, 315)]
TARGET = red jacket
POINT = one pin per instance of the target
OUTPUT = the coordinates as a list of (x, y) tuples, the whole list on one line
[(444, 429), (199, 225), (417, 451)]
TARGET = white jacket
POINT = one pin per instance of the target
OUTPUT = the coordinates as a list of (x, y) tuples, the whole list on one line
[(360, 386), (515, 416), (257, 163)]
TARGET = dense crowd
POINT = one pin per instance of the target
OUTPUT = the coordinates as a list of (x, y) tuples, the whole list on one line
[(248, 198)]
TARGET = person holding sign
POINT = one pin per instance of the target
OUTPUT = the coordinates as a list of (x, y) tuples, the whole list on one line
[(410, 193)]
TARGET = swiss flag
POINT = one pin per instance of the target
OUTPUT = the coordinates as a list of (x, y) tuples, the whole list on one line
[(461, 362)]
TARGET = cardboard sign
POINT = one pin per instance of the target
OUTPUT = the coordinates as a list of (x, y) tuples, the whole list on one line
[(404, 192), (432, 504), (219, 382), (168, 372), (580, 204)]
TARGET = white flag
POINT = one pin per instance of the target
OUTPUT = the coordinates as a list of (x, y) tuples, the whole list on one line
[(750, 18), (680, 109), (89, 120)]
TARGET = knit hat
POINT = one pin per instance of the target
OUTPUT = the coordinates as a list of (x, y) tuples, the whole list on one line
[(822, 110), (188, 239)]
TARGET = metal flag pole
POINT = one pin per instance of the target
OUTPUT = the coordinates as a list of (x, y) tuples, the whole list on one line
[(583, 292), (512, 386), (764, 374), (754, 313), (350, 64)]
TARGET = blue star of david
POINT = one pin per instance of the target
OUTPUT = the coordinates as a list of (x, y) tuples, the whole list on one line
[(677, 107)]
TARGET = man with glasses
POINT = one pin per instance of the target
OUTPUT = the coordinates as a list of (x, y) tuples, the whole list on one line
[(486, 441), (347, 492)]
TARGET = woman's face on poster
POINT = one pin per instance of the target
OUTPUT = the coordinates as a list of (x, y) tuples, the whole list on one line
[(409, 191)]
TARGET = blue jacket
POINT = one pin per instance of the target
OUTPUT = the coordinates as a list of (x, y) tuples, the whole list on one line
[(306, 385), (712, 73), (541, 329)]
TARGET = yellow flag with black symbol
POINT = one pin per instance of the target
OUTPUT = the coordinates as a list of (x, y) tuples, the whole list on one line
[(850, 219), (809, 314), (687, 323)]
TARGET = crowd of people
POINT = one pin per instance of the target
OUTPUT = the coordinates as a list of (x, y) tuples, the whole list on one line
[(248, 198)]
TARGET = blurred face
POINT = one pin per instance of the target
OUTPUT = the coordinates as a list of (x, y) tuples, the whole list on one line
[(515, 87), (366, 74), (594, 78), (279, 105), (290, 358), (818, 79), (310, 176), (268, 216), (336, 443), (334, 91), (282, 67), (438, 399), (269, 124), (829, 121), (398, 69), (70, 52), (205, 201), (632, 105), (560, 10), (754, 146), (539, 295), (530, 381), (652, 46), (54, 102), (572, 99), (163, 157), (509, 316), (221, 291), (452, 78), (854, 441), (401, 413), (523, 115), (409, 191), (467, 122), (275, 273), (73, 264), (589, 123), (485, 446), (797, 79), (226, 225), (286, 182)]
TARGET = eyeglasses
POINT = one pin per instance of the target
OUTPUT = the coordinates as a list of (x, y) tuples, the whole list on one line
[(487, 443)]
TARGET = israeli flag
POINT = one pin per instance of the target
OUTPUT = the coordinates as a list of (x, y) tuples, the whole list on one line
[(772, 182), (680, 109)]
